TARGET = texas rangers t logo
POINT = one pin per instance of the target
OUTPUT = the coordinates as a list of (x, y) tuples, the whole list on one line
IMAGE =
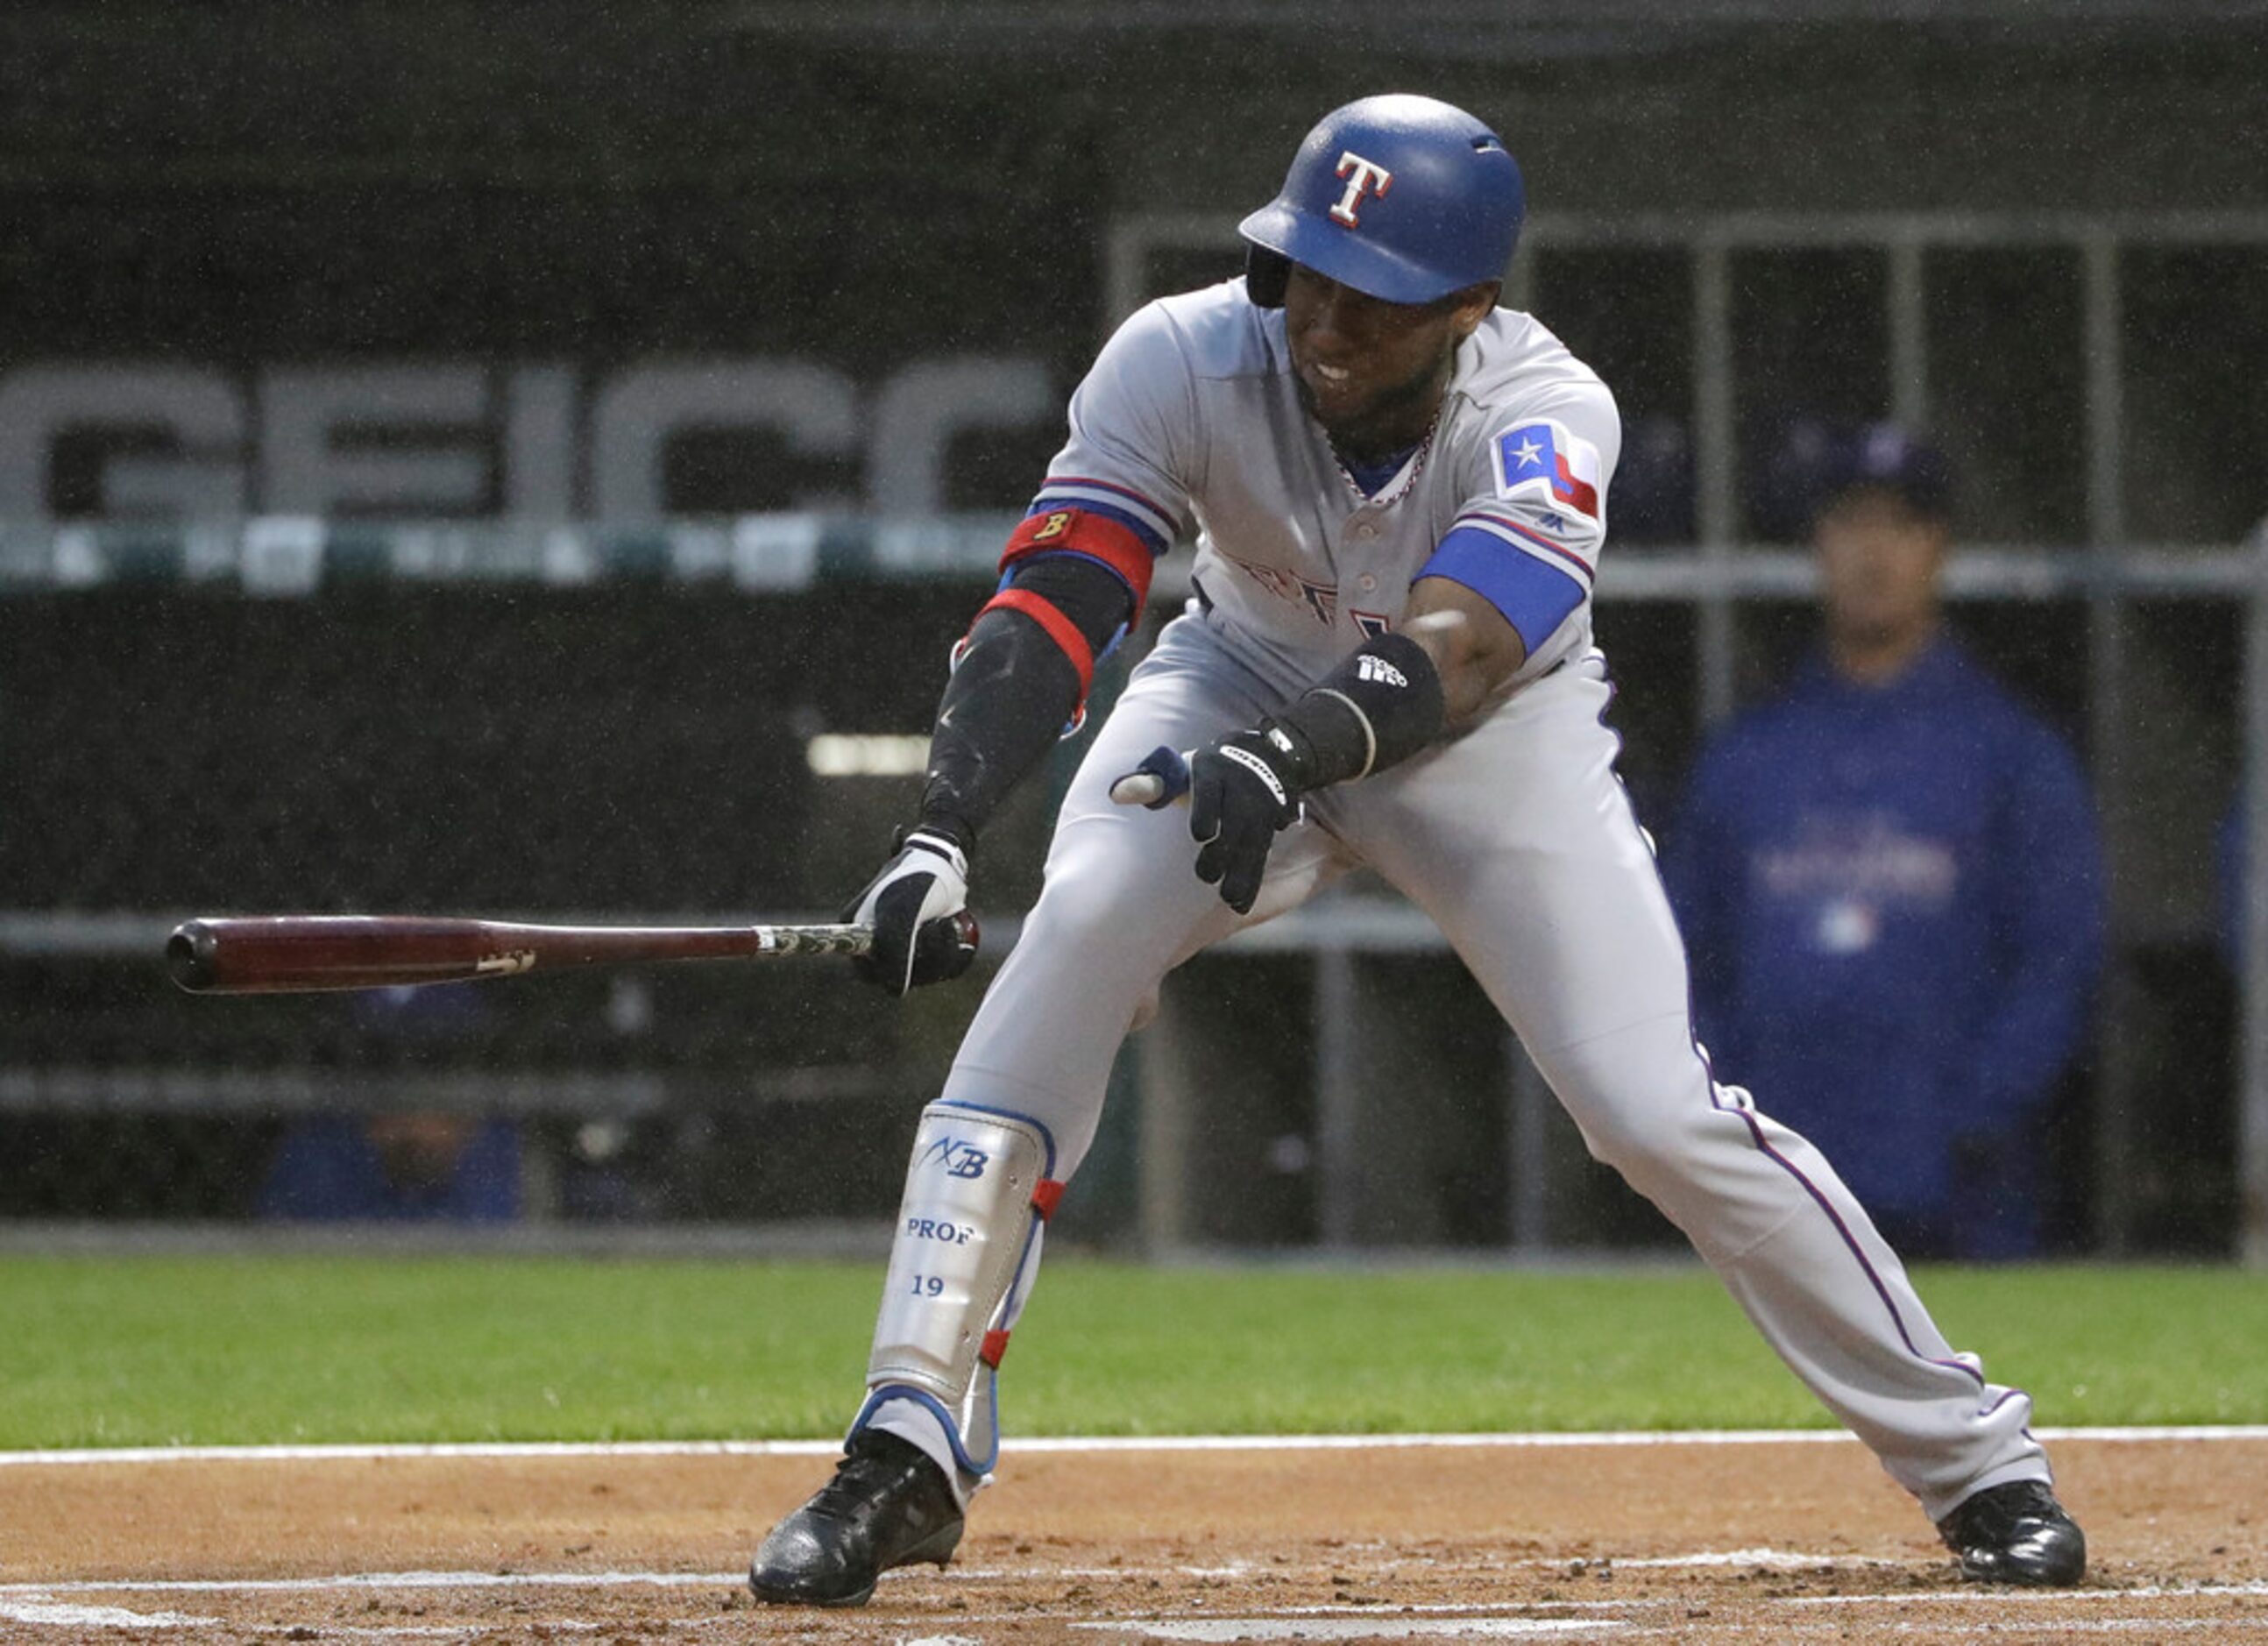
[(1364, 177)]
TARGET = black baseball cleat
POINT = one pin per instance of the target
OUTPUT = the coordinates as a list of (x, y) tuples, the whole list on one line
[(2016, 1533), (888, 1505)]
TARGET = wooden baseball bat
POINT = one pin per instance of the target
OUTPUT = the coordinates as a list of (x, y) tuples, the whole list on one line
[(285, 954)]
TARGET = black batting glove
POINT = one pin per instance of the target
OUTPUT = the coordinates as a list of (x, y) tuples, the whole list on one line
[(918, 908), (1242, 791)]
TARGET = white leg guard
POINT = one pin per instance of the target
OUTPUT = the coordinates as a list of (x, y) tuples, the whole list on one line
[(981, 1183)]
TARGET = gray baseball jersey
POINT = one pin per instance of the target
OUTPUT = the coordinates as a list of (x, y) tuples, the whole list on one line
[(1514, 836), (1191, 420)]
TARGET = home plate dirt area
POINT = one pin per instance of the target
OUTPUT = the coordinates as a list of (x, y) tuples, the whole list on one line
[(1613, 1539)]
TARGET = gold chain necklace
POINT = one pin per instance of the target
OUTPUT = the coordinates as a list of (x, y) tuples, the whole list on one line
[(1408, 476)]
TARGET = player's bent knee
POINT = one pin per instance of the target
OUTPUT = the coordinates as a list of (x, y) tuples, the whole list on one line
[(1642, 1101), (1652, 1159)]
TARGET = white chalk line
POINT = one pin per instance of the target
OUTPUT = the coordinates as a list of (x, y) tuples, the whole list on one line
[(61, 1616), (1262, 1629), (1779, 1558), (39, 1608), (64, 1615), (1373, 1564), (1254, 1628), (38, 1604), (335, 1582), (1499, 1627), (352, 1452), (442, 1581), (1986, 1597)]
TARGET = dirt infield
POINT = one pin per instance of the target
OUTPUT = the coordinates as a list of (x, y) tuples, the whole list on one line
[(1736, 1541)]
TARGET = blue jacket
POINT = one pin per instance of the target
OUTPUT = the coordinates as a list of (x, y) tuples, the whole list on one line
[(327, 1170), (1893, 900)]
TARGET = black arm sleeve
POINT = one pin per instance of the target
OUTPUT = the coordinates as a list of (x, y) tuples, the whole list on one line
[(1092, 595), (1011, 692)]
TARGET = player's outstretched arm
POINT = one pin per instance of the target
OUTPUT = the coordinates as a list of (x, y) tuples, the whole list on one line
[(1020, 675), (1474, 647)]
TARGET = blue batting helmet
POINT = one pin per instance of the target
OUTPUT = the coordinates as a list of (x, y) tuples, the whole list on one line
[(1403, 197)]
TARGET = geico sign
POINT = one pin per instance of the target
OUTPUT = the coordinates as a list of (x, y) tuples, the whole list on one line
[(426, 438)]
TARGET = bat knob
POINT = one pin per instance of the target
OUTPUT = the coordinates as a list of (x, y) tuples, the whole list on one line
[(1161, 779), (944, 946), (189, 956)]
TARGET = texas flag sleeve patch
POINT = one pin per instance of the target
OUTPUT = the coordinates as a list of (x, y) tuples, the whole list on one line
[(1546, 463)]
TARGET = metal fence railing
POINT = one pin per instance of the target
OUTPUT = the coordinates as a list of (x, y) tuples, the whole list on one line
[(135, 814)]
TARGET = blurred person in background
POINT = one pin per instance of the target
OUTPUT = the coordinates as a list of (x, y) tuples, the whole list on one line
[(401, 1165), (1889, 879), (395, 1168)]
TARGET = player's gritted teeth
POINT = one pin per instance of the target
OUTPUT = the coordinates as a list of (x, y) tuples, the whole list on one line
[(1329, 387), (1371, 372), (1344, 389)]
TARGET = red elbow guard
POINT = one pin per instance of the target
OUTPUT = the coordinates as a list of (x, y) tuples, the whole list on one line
[(1098, 536), (1059, 629)]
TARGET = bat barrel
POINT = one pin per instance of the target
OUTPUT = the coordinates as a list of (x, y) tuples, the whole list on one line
[(299, 954), (281, 954)]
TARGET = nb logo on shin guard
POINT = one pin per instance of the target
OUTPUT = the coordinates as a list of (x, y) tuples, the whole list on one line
[(959, 1159)]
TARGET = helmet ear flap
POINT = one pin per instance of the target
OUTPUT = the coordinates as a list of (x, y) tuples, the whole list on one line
[(1267, 276)]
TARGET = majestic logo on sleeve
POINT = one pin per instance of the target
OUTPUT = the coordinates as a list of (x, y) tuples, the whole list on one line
[(1547, 463), (1364, 177)]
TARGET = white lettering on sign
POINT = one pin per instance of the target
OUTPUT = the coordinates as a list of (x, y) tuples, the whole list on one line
[(308, 465), (413, 439), (197, 411)]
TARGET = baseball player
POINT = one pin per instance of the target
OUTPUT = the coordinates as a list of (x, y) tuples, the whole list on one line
[(1397, 491)]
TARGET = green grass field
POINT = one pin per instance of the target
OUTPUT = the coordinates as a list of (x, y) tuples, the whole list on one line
[(140, 1351)]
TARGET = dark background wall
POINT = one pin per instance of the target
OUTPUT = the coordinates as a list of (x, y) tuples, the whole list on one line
[(865, 184), (879, 180)]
